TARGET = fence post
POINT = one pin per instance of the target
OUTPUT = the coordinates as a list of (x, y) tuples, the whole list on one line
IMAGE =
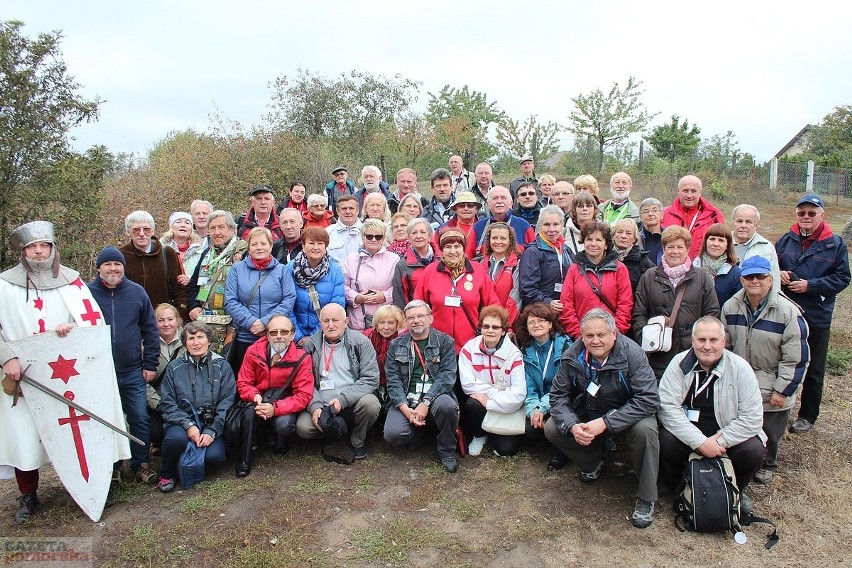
[(773, 173), (837, 186), (809, 180), (641, 155)]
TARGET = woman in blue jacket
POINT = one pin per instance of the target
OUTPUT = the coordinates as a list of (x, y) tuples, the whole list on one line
[(541, 339), (313, 271), (719, 260), (258, 287)]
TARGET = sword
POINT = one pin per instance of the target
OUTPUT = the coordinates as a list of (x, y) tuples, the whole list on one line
[(74, 405)]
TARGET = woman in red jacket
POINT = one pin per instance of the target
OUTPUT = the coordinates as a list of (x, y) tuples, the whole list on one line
[(597, 279), (277, 377), (456, 289), (501, 263)]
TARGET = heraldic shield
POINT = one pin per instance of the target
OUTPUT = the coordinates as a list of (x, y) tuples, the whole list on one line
[(81, 449)]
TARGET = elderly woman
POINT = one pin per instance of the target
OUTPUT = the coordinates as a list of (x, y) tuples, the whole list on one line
[(201, 383), (545, 185), (318, 281), (660, 288), (188, 246), (587, 183), (491, 372), (584, 210), (169, 325), (376, 207), (388, 322), (278, 379), (719, 259), (421, 254), (456, 289), (318, 214), (258, 287), (399, 242), (545, 263), (596, 280), (625, 244), (542, 340), (296, 198), (501, 262), (368, 276), (411, 204)]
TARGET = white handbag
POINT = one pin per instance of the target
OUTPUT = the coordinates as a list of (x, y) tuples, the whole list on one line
[(505, 423), (657, 333)]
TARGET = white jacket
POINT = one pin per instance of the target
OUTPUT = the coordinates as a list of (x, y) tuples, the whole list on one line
[(503, 382)]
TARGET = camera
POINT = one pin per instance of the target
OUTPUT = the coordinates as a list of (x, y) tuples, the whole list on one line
[(207, 413)]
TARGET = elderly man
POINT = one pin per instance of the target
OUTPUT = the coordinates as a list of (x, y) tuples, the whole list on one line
[(749, 243), (619, 206), (421, 371), (200, 211), (692, 211), (769, 331), (261, 213), (371, 177), (345, 235), (499, 204), (650, 229), (528, 206), (710, 404), (346, 376), (527, 175), (563, 196), (151, 265), (463, 180), (39, 296), (135, 350), (406, 182), (439, 211), (340, 185), (484, 181), (207, 285), (605, 385), (814, 266), (289, 245)]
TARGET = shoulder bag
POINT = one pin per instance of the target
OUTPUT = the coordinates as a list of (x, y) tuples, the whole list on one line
[(502, 423), (657, 333)]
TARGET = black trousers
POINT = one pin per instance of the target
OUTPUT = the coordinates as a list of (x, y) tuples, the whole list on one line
[(818, 338), (474, 414), (283, 426)]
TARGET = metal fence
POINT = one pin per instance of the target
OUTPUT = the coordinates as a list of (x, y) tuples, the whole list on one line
[(805, 176)]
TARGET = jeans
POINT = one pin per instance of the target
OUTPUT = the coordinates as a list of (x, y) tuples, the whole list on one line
[(174, 444), (443, 415), (131, 388)]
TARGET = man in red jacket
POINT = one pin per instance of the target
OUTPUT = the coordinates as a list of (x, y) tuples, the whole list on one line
[(692, 212)]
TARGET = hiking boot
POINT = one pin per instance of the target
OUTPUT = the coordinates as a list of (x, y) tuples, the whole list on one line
[(476, 445), (801, 425), (282, 447), (166, 485), (746, 506), (764, 476), (360, 451), (450, 463), (643, 514), (145, 474), (243, 469), (557, 461), (27, 505), (116, 477), (589, 476)]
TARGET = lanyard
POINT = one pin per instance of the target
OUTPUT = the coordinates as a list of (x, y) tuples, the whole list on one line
[(423, 378), (453, 283), (697, 390), (547, 361), (327, 359), (694, 218)]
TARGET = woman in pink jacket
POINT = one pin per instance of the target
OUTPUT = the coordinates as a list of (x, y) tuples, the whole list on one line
[(368, 276)]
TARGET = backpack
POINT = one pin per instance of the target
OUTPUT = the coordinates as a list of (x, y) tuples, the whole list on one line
[(709, 500)]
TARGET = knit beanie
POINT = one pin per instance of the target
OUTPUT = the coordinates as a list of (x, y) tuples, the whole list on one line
[(108, 254)]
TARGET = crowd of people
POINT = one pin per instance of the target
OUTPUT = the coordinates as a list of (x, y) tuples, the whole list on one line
[(486, 315)]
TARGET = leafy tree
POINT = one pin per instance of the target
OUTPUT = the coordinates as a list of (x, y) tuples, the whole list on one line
[(718, 152), (518, 138), (461, 118), (609, 117), (830, 142), (675, 139), (39, 105)]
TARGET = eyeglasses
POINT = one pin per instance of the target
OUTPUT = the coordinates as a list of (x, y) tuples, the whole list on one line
[(277, 332), (810, 213), (756, 276), (649, 211), (526, 194), (536, 321), (486, 327), (142, 230), (466, 205), (374, 237)]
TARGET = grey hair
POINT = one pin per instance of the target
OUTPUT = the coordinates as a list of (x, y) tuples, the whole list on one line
[(229, 218), (601, 314), (747, 206), (139, 217), (708, 319), (552, 210), (418, 220), (201, 203), (651, 202), (194, 327), (374, 169), (491, 192), (417, 304), (317, 198)]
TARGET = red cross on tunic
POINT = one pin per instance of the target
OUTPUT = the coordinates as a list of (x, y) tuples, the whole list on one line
[(90, 315), (78, 283), (73, 421)]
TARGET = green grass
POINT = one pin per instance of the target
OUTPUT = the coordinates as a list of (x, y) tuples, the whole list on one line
[(838, 361), (392, 543), (211, 495)]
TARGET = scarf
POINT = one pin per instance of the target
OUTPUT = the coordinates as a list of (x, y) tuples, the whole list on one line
[(304, 275), (226, 255), (381, 344), (812, 238), (400, 248), (676, 273), (711, 266), (261, 263), (456, 269), (424, 260), (622, 253), (557, 246)]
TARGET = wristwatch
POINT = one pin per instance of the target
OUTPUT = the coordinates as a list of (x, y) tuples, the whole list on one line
[(427, 402)]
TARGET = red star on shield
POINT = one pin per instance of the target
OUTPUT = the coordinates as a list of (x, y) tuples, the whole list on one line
[(63, 369)]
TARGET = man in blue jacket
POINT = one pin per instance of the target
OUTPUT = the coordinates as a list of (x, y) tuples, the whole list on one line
[(814, 267), (135, 350)]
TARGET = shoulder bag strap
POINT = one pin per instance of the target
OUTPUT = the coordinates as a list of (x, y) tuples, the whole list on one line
[(314, 296), (676, 307), (254, 290), (166, 272), (598, 292), (278, 392)]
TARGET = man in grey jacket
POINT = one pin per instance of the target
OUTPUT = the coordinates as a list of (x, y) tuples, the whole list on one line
[(421, 370), (769, 331), (605, 384), (346, 375)]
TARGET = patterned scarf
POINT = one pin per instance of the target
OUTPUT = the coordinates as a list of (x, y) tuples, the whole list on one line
[(622, 253), (710, 265), (456, 269), (400, 248), (676, 273), (304, 275)]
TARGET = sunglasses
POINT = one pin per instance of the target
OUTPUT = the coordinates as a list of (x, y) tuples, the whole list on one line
[(526, 194), (756, 276), (485, 327), (374, 237), (809, 213), (466, 205), (281, 332)]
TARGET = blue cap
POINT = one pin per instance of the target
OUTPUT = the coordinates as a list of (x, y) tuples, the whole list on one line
[(755, 265), (811, 199), (110, 254)]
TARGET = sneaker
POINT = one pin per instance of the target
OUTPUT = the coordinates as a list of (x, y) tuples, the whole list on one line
[(27, 505), (450, 464), (589, 476), (643, 514), (764, 476), (145, 474), (360, 451), (801, 425), (746, 506), (557, 461), (476, 445), (166, 485)]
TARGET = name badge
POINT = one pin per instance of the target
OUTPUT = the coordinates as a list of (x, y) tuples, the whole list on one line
[(692, 415), (202, 280), (326, 384), (593, 389), (452, 301), (557, 287)]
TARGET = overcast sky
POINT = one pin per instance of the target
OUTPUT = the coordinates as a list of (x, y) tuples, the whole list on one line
[(760, 69)]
